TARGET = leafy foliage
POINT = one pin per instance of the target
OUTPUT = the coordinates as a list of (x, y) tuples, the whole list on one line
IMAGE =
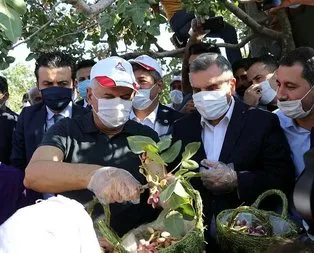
[(20, 80), (175, 195)]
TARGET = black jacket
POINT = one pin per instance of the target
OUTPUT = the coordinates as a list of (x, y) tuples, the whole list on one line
[(255, 144), (166, 116), (8, 121), (29, 132)]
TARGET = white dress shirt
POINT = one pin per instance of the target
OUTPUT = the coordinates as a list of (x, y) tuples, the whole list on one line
[(66, 113), (85, 103), (213, 136), (151, 121)]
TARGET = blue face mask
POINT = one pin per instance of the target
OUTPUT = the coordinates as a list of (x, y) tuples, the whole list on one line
[(57, 98), (82, 88)]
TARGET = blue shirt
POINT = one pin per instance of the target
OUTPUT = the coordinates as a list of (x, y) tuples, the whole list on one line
[(299, 140)]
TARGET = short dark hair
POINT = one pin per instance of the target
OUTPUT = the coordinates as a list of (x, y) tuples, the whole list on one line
[(270, 62), (3, 85), (204, 61), (55, 60), (200, 48), (156, 76), (303, 56), (240, 64), (84, 64)]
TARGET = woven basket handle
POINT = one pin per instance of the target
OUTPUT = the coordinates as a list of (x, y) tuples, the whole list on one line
[(268, 193), (90, 209)]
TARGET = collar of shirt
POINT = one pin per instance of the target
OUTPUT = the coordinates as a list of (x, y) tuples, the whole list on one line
[(66, 113), (289, 123), (227, 117), (85, 103), (151, 118)]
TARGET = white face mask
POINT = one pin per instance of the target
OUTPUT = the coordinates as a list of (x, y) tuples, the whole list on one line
[(113, 112), (142, 99), (268, 94), (293, 109), (211, 104), (176, 97)]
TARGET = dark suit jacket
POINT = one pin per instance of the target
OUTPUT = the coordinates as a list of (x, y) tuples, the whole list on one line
[(255, 144), (167, 116), (8, 120), (29, 132)]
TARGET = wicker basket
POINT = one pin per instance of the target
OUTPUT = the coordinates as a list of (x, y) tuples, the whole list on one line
[(233, 241), (192, 242)]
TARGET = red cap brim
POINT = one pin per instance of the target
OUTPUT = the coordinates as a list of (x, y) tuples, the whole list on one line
[(105, 81)]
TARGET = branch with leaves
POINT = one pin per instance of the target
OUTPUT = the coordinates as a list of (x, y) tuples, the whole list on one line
[(250, 22), (178, 52), (90, 10)]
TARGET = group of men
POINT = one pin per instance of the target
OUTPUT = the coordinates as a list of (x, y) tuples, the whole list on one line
[(81, 149)]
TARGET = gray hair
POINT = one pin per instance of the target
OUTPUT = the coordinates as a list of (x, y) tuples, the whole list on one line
[(206, 60)]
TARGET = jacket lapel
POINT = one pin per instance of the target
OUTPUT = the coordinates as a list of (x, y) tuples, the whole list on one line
[(40, 124), (234, 129)]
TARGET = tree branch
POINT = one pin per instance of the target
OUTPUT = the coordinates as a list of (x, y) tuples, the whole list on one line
[(250, 22), (90, 10), (178, 52), (32, 35), (76, 32)]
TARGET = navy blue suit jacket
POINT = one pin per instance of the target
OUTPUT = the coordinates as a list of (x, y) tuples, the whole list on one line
[(8, 120), (29, 132), (255, 144), (167, 116)]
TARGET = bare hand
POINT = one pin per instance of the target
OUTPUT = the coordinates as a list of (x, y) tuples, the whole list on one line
[(197, 28), (252, 95)]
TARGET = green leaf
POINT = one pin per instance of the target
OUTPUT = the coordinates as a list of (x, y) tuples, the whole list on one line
[(170, 154), (136, 12), (138, 143), (174, 224), (18, 5), (187, 210), (164, 143), (191, 174), (155, 157), (10, 22), (189, 164), (9, 59), (106, 22), (190, 150), (30, 57), (180, 172), (179, 190), (176, 201), (166, 193)]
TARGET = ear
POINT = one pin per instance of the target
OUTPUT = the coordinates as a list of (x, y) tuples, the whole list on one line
[(89, 95), (75, 83), (160, 85), (233, 86)]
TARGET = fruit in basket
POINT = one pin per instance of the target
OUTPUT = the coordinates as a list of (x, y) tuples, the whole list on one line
[(244, 227)]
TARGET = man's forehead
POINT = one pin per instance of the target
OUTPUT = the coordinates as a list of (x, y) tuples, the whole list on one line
[(289, 73), (62, 71)]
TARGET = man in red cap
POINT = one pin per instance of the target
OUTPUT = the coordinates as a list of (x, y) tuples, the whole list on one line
[(79, 157), (146, 107)]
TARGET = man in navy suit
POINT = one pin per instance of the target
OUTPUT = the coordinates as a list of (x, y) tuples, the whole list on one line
[(244, 149), (8, 120), (146, 107), (55, 80)]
